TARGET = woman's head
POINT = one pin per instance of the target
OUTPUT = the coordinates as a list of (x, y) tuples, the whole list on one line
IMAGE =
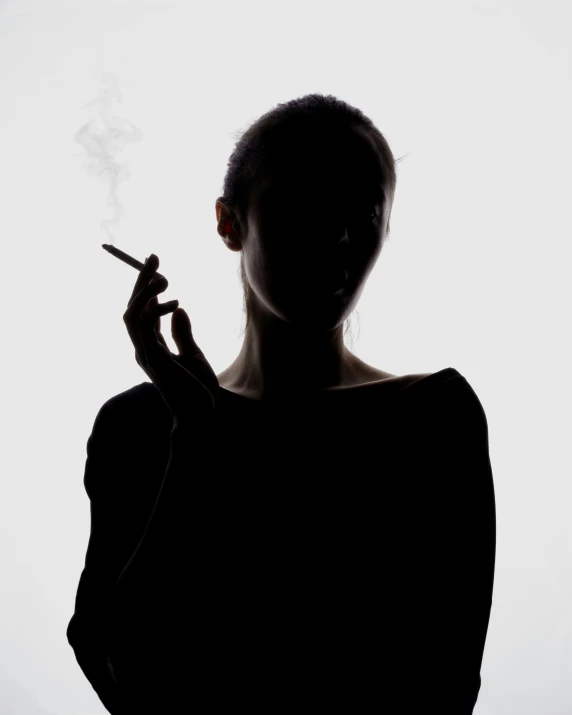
[(308, 192)]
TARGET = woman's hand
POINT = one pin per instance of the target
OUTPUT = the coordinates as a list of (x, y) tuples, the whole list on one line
[(186, 381)]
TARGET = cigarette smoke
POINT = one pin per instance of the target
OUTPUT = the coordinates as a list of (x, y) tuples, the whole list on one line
[(103, 137)]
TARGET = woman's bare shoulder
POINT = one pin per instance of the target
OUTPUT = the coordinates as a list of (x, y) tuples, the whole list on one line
[(375, 385), (373, 376)]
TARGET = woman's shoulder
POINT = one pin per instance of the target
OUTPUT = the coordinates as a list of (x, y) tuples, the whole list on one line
[(128, 445), (439, 398), (144, 405), (450, 399), (143, 393), (379, 385), (447, 378), (139, 405), (447, 388)]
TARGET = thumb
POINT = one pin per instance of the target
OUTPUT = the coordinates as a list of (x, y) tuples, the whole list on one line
[(182, 332)]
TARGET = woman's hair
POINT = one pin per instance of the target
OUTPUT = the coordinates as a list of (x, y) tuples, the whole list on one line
[(260, 142)]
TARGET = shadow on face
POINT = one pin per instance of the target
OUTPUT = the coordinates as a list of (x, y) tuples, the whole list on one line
[(317, 220)]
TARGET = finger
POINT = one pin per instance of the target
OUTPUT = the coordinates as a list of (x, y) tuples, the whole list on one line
[(157, 309), (141, 332), (151, 338), (161, 339), (145, 275), (182, 332), (151, 306), (137, 306), (152, 315)]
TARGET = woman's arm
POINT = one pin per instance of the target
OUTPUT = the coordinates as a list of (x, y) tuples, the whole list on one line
[(159, 554), (95, 664), (166, 576), (464, 558), (113, 537)]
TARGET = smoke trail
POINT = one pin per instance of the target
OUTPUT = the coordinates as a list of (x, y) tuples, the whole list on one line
[(102, 138)]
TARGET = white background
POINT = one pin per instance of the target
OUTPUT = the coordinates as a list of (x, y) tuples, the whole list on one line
[(474, 276)]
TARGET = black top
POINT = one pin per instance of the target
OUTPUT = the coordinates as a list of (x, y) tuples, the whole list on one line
[(341, 559)]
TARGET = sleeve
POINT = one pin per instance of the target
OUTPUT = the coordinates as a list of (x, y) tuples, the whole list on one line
[(108, 465), (464, 559)]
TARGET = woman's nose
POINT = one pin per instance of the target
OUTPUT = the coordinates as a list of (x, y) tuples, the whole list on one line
[(337, 238)]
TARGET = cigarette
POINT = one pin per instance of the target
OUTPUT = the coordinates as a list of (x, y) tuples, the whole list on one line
[(126, 258)]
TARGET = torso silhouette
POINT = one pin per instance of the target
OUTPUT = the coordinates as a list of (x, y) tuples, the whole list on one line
[(340, 555)]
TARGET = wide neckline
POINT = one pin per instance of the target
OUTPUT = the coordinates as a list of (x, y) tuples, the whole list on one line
[(355, 391)]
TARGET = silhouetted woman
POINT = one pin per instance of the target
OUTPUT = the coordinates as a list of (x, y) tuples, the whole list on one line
[(304, 532)]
